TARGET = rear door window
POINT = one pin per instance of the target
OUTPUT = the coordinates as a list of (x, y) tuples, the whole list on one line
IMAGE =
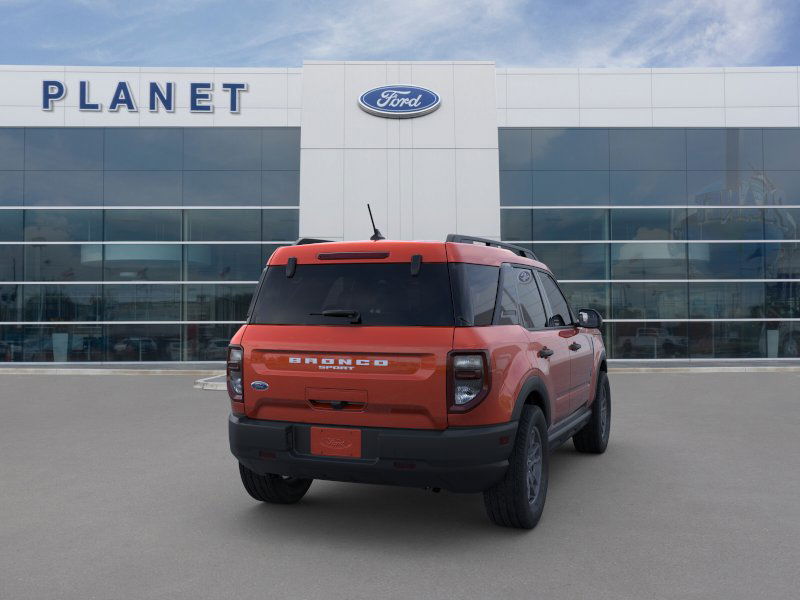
[(560, 313), (383, 294), (530, 300)]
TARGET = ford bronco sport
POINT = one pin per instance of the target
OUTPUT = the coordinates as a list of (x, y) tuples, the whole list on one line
[(456, 365)]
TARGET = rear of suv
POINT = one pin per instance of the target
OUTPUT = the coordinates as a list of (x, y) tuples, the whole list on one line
[(456, 365)]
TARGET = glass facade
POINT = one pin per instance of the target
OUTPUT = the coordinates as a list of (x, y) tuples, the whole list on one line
[(685, 240), (138, 244)]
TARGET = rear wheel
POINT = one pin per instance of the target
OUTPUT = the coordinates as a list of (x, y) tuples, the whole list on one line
[(593, 438), (276, 489), (518, 500)]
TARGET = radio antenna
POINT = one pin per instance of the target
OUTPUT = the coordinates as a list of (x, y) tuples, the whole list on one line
[(377, 235)]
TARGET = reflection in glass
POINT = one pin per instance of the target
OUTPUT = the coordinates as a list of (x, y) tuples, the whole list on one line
[(221, 188), (63, 262), (280, 148), (10, 305), (556, 188), (218, 302), (234, 262), (280, 224), (649, 224), (11, 263), (726, 261), (574, 261), (783, 299), (63, 188), (12, 148), (782, 148), (651, 339), (10, 226), (143, 342), (11, 337), (726, 300), (638, 300), (63, 148), (783, 340), (782, 260), (731, 188), (62, 343), (648, 187), (648, 261), (153, 262), (63, 225), (280, 188), (222, 225), (727, 340), (516, 188), (221, 148), (62, 303), (588, 295), (726, 224), (143, 148), (570, 149), (142, 188), (142, 302), (515, 149), (648, 149), (11, 188), (724, 149), (208, 342), (142, 225)]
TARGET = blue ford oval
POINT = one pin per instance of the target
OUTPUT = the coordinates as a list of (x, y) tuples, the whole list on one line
[(399, 101)]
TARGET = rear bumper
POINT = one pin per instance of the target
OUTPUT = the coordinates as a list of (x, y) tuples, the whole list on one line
[(458, 459)]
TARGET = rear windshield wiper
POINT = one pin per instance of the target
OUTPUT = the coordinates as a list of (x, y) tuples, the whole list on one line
[(353, 315)]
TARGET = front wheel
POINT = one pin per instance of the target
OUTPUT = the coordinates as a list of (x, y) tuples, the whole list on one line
[(518, 500), (593, 438), (275, 489)]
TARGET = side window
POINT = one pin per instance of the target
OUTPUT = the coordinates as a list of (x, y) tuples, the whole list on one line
[(530, 301), (558, 303), (507, 299)]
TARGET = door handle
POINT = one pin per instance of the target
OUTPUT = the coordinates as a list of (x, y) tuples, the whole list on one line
[(574, 346), (546, 352)]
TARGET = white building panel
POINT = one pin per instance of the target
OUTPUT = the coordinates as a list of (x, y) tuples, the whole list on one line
[(689, 90)]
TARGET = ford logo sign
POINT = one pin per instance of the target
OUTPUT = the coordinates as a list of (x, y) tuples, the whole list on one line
[(399, 101)]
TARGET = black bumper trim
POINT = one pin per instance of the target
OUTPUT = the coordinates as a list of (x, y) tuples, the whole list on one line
[(457, 459)]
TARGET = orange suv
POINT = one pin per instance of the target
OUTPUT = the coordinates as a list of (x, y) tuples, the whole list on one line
[(456, 365)]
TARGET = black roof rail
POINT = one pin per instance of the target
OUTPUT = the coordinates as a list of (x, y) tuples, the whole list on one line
[(468, 239), (304, 241)]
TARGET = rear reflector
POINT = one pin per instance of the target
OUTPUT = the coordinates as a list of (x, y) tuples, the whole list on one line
[(352, 255)]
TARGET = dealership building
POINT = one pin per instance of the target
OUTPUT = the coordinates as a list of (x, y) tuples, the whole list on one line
[(138, 205)]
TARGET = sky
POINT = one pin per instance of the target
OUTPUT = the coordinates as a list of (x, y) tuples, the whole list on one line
[(580, 33)]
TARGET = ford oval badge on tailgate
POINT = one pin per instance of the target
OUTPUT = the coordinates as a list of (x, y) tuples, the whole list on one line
[(259, 385)]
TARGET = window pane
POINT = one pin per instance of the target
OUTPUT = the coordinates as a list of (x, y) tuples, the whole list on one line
[(553, 225), (222, 225), (229, 262), (783, 187), (507, 298), (142, 225), (516, 188), (515, 149), (726, 300), (574, 261), (655, 224), (280, 188), (221, 188), (12, 145), (142, 188), (648, 261), (65, 188), (280, 224), (281, 148), (62, 303), (730, 188), (781, 223), (11, 188), (63, 343), (143, 148), (208, 342), (67, 262), (783, 299), (724, 149), (783, 341), (63, 148), (726, 261), (10, 226), (63, 225), (637, 300), (222, 148), (648, 149), (570, 188), (474, 293), (218, 302), (154, 262), (10, 308), (570, 149), (651, 339), (530, 300), (560, 313), (727, 340), (11, 340), (143, 342), (782, 261), (726, 224), (648, 187), (587, 295), (142, 302), (782, 148), (11, 263)]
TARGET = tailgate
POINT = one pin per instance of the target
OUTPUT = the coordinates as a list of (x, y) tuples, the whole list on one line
[(344, 375)]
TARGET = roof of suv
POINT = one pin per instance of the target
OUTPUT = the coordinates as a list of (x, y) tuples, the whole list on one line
[(398, 251)]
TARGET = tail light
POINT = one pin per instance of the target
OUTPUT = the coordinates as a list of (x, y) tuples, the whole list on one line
[(234, 373), (468, 379)]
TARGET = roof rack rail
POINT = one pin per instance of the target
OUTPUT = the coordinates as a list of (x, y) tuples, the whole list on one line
[(468, 239), (304, 241)]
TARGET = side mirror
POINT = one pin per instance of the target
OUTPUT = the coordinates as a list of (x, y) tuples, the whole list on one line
[(589, 318)]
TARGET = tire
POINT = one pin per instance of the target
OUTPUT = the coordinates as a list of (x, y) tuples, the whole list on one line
[(275, 489), (593, 438), (518, 500)]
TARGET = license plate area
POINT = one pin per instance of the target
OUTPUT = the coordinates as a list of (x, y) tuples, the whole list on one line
[(335, 441)]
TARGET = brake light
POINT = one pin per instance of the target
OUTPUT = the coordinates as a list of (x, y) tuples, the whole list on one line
[(234, 373), (468, 379)]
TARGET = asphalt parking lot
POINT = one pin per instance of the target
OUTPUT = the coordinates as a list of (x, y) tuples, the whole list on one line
[(123, 487)]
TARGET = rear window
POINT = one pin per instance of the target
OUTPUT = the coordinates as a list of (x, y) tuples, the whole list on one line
[(383, 294)]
